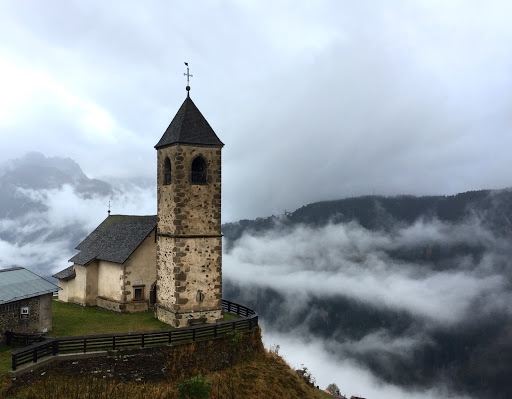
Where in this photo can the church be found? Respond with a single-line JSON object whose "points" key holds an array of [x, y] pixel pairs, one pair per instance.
{"points": [[171, 262]]}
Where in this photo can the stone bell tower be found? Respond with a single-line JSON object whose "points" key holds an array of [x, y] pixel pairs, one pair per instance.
{"points": [[189, 248]]}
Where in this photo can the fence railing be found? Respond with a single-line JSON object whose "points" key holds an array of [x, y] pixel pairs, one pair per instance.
{"points": [[103, 342]]}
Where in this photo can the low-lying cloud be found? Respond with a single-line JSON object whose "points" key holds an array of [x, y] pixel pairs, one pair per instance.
{"points": [[352, 377], [364, 308], [43, 241], [303, 269], [348, 260]]}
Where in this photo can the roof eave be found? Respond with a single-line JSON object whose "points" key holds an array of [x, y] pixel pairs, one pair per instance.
{"points": [[158, 147], [19, 298]]}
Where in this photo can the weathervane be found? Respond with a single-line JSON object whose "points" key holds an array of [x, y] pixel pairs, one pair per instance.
{"points": [[109, 208], [188, 75]]}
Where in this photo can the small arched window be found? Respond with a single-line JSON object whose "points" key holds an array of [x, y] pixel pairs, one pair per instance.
{"points": [[167, 171], [199, 171]]}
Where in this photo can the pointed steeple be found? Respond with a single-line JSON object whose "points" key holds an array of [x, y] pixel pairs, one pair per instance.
{"points": [[189, 127]]}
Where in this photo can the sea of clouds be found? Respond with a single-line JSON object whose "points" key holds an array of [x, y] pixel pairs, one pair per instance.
{"points": [[307, 265], [300, 263]]}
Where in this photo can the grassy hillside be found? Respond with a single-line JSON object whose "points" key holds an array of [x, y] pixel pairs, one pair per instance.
{"points": [[72, 320], [266, 376], [234, 367]]}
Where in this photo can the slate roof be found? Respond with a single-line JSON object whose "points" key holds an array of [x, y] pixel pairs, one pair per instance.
{"points": [[115, 239], [67, 274], [17, 283], [189, 127]]}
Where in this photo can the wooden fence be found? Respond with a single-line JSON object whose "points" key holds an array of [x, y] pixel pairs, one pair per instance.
{"points": [[103, 342]]}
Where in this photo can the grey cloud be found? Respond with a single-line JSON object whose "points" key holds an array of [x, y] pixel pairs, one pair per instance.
{"points": [[43, 241], [353, 378], [313, 101], [347, 260]]}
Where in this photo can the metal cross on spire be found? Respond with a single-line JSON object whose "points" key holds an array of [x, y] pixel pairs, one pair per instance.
{"points": [[188, 75]]}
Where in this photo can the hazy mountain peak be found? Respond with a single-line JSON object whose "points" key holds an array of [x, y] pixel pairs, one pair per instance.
{"points": [[35, 171], [66, 168]]}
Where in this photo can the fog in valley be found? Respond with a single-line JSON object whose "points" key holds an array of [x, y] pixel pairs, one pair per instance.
{"points": [[42, 221], [292, 273], [400, 312]]}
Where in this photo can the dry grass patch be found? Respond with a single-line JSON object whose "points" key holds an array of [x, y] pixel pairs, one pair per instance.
{"points": [[266, 376], [245, 370]]}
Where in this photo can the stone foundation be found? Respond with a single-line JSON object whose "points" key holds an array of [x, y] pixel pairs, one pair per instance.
{"points": [[136, 306], [122, 307], [187, 318]]}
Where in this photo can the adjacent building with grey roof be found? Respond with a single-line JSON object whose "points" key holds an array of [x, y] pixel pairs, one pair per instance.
{"points": [[115, 239], [115, 267], [25, 302]]}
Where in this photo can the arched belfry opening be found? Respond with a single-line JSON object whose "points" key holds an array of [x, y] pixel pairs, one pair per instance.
{"points": [[199, 170], [167, 171]]}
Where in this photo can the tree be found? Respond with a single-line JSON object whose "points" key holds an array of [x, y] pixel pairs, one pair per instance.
{"points": [[333, 388]]}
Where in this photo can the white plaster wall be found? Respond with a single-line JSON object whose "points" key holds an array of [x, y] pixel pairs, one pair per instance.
{"points": [[91, 284], [141, 266], [63, 293], [110, 280], [76, 287]]}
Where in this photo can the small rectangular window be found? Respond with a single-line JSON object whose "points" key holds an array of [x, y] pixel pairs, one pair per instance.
{"points": [[138, 293]]}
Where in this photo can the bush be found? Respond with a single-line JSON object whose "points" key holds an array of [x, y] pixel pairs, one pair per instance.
{"points": [[197, 387]]}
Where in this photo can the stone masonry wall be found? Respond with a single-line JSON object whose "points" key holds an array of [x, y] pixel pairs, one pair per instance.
{"points": [[186, 208], [40, 316], [189, 249]]}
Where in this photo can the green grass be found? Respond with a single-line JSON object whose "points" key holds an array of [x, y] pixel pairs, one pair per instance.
{"points": [[5, 358], [230, 316], [69, 320]]}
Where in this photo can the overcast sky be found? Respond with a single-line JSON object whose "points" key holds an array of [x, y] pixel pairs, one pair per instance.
{"points": [[314, 99]]}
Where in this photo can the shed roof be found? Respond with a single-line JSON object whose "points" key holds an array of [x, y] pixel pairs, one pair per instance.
{"points": [[189, 127], [115, 239], [17, 283], [67, 274]]}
